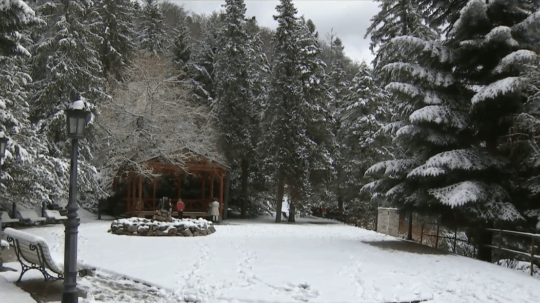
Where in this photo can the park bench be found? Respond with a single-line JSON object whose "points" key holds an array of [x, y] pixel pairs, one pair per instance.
{"points": [[33, 253], [6, 219], [53, 216], [29, 217]]}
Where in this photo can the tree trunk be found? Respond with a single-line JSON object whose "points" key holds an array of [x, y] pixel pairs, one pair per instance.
{"points": [[243, 193], [279, 198], [409, 232], [226, 195], [486, 238], [292, 210], [340, 203]]}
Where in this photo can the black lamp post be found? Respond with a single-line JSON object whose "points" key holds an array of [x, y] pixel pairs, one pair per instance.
{"points": [[3, 144], [76, 122]]}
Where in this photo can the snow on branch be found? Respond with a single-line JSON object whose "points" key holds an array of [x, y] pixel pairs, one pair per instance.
{"points": [[469, 192], [462, 159], [439, 115], [392, 168], [501, 34], [502, 87], [515, 61], [505, 211], [406, 71], [413, 47]]}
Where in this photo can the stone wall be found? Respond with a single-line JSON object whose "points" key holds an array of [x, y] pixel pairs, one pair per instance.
{"points": [[388, 221], [175, 228]]}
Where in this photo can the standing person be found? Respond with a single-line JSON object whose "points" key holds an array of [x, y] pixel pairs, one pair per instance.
{"points": [[214, 210]]}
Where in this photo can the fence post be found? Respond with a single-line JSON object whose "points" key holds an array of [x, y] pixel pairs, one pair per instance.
{"points": [[422, 233], [500, 244], [455, 239], [532, 254], [437, 238]]}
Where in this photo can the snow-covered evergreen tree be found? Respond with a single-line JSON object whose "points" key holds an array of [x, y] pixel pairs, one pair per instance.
{"points": [[398, 18], [235, 107], [296, 142], [15, 16], [181, 47], [201, 67], [361, 143], [494, 41], [152, 32], [65, 68], [116, 28], [432, 129]]}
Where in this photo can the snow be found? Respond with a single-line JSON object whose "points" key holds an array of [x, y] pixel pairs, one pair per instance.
{"points": [[439, 115], [498, 88], [514, 60], [248, 261], [501, 34], [472, 191], [77, 105], [4, 244], [23, 235]]}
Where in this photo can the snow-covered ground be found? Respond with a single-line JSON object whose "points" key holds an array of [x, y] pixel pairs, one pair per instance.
{"points": [[258, 261]]}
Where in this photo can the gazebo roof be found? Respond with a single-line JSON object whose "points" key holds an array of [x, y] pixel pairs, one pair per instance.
{"points": [[196, 163]]}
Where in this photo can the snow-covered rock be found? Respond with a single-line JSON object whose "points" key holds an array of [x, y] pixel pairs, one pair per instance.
{"points": [[174, 227]]}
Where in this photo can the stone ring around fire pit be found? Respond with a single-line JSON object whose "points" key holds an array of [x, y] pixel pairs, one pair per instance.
{"points": [[175, 228]]}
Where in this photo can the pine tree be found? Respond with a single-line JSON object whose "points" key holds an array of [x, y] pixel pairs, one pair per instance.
{"points": [[398, 18], [116, 31], [66, 68], [494, 41], [235, 71], [201, 67], [181, 47], [360, 116], [15, 16], [296, 143], [152, 32]]}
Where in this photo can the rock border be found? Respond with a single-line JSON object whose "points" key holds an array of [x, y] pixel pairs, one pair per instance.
{"points": [[176, 228]]}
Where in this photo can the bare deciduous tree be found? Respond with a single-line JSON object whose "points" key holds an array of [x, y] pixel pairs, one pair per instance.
{"points": [[150, 115]]}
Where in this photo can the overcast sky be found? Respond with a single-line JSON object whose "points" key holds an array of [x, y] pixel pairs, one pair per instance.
{"points": [[349, 19]]}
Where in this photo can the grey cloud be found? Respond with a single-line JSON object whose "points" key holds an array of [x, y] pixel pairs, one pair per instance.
{"points": [[349, 19]]}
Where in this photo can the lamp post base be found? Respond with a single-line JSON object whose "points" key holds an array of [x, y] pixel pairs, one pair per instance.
{"points": [[70, 297]]}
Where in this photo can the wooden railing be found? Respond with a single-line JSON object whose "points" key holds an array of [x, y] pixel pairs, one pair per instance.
{"points": [[530, 254], [196, 205]]}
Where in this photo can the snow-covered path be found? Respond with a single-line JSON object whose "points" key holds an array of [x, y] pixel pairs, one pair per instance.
{"points": [[259, 262]]}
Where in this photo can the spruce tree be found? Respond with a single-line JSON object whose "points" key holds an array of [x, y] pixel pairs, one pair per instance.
{"points": [[116, 29], [16, 19], [398, 18], [152, 32], [297, 140], [66, 68], [201, 67], [235, 94], [494, 41]]}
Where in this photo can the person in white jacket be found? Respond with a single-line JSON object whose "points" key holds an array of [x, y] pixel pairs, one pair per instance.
{"points": [[214, 210]]}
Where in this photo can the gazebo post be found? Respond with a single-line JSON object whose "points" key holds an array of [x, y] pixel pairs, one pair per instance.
{"points": [[154, 184], [140, 192], [211, 187], [202, 187], [221, 197], [128, 190]]}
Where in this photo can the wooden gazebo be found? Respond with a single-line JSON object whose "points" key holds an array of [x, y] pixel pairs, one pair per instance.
{"points": [[142, 192]]}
